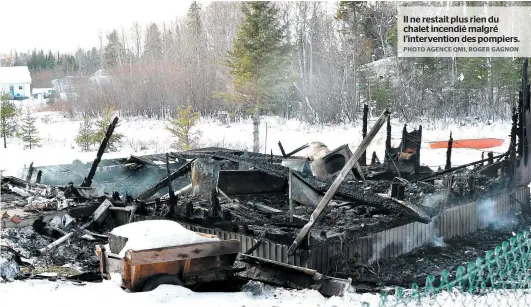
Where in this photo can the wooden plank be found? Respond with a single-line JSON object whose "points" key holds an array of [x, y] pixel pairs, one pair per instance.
{"points": [[191, 251], [187, 266], [335, 185]]}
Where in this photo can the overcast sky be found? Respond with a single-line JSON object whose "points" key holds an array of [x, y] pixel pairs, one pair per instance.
{"points": [[65, 25]]}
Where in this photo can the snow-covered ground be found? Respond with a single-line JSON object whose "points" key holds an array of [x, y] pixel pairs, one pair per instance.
{"points": [[62, 293], [68, 294], [145, 136]]}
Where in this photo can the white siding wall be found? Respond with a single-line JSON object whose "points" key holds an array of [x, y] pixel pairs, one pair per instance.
{"points": [[25, 91]]}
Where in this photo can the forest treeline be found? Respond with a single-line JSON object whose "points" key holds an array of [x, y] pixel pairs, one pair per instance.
{"points": [[310, 60]]}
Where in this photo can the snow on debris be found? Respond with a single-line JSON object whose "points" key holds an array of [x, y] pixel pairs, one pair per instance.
{"points": [[156, 234]]}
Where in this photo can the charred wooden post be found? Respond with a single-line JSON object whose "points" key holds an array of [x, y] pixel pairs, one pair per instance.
{"points": [[449, 154], [374, 158], [271, 156], [171, 194], [88, 180], [363, 158], [404, 139], [30, 172], [39, 176], [387, 141], [417, 161], [482, 157], [215, 209], [491, 158], [281, 149], [514, 129], [290, 195], [335, 185]]}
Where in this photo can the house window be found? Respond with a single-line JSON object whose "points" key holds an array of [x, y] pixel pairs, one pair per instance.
{"points": [[20, 87]]}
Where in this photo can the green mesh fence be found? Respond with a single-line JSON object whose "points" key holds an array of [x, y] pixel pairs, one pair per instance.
{"points": [[501, 278]]}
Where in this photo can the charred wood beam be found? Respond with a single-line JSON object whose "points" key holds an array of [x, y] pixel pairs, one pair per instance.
{"points": [[374, 158], [165, 181], [417, 161], [296, 150], [215, 209], [88, 180], [281, 149], [39, 177], [387, 141], [491, 158], [254, 247], [457, 168], [449, 153], [30, 172], [404, 139], [335, 185], [173, 198]]}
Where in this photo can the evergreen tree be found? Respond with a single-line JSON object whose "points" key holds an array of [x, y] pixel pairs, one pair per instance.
{"points": [[8, 115], [181, 127], [258, 61], [113, 50], [28, 132], [85, 135], [102, 125], [153, 46]]}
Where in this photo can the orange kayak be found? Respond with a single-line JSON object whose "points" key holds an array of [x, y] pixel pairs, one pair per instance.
{"points": [[469, 143]]}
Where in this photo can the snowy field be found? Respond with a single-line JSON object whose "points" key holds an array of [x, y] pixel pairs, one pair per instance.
{"points": [[146, 136]]}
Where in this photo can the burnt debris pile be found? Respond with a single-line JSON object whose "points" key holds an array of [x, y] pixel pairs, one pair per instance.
{"points": [[303, 199]]}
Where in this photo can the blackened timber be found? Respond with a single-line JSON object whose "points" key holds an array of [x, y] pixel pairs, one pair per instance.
{"points": [[88, 180], [164, 181], [297, 150], [253, 248], [340, 177], [30, 172], [39, 177], [216, 209], [449, 153], [173, 198], [417, 161], [281, 149], [457, 168], [387, 140]]}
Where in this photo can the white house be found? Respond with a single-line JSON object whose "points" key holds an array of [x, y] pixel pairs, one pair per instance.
{"points": [[15, 81]]}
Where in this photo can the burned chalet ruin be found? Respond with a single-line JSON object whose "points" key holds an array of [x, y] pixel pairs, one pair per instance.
{"points": [[327, 209]]}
